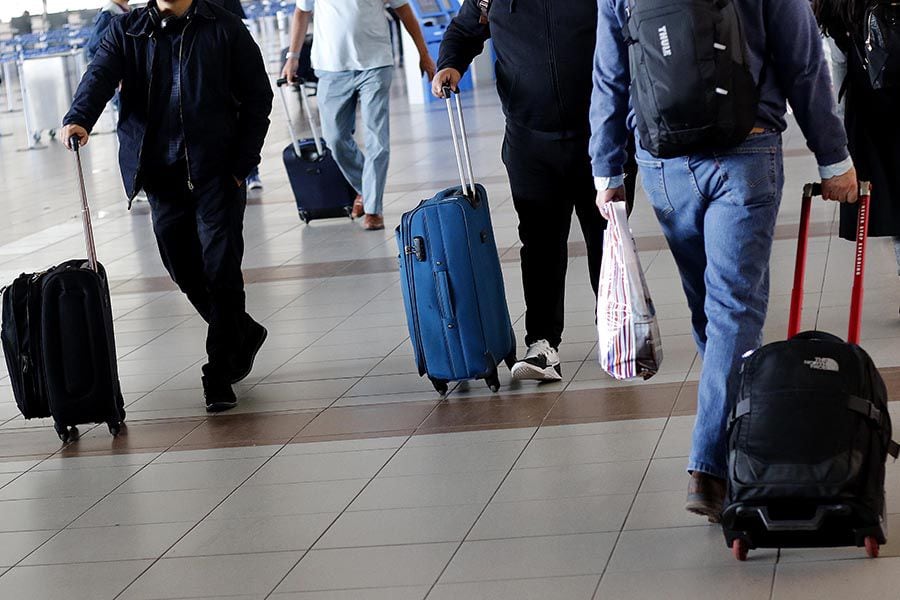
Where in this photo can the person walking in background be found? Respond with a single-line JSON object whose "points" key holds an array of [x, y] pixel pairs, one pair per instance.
{"points": [[872, 120], [191, 128], [354, 61], [544, 82], [101, 24], [718, 208]]}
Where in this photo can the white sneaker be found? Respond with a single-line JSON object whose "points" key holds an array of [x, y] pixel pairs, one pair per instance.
{"points": [[541, 363]]}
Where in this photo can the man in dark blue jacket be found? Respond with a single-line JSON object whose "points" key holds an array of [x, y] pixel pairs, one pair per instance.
{"points": [[195, 103], [718, 208], [544, 50]]}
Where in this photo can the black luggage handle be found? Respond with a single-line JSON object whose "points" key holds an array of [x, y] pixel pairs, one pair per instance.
{"points": [[814, 524], [75, 144], [304, 102], [461, 141]]}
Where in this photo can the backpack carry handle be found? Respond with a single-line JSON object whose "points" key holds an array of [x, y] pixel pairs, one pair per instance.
{"points": [[810, 191], [461, 146], [304, 101], [75, 144]]}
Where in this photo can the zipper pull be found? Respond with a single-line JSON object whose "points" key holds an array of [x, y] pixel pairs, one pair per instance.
{"points": [[190, 184]]}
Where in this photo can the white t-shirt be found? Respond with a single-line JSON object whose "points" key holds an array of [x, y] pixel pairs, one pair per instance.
{"points": [[350, 35]]}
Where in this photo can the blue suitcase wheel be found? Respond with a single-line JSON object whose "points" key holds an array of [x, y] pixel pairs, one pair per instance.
{"points": [[440, 386], [493, 381]]}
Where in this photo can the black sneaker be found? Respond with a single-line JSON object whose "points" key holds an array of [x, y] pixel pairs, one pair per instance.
{"points": [[541, 363], [219, 395], [243, 363]]}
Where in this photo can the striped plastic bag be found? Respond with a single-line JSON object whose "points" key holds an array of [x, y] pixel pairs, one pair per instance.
{"points": [[630, 345]]}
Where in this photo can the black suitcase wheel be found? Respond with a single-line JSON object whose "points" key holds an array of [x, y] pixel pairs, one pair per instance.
{"points": [[348, 210], [440, 386], [66, 434], [62, 431], [304, 216], [872, 547], [510, 360], [114, 428], [740, 549], [493, 381]]}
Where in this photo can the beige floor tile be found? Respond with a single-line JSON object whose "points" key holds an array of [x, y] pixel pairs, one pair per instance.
{"points": [[104, 544], [861, 578], [558, 588], [559, 516], [76, 582], [253, 535], [389, 566], [743, 582]]}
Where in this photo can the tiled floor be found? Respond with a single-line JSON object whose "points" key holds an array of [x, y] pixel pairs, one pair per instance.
{"points": [[341, 475]]}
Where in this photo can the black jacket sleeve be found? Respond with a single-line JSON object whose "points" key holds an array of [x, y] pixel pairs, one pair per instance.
{"points": [[100, 80], [464, 39], [251, 88]]}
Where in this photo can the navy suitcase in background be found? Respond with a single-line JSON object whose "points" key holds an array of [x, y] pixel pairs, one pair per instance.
{"points": [[320, 188], [452, 283], [59, 341]]}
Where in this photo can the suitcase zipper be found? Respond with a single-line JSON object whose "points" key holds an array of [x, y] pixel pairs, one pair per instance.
{"points": [[411, 283]]}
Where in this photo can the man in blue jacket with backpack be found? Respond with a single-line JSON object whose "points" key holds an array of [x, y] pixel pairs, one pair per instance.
{"points": [[710, 156]]}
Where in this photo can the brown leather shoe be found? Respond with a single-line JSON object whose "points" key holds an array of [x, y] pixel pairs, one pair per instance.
{"points": [[706, 496], [358, 209], [373, 222]]}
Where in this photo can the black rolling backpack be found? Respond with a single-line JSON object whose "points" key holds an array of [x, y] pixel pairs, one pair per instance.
{"points": [[58, 339], [810, 434]]}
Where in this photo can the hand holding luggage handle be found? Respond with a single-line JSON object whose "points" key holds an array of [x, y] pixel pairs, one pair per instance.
{"points": [[304, 101], [810, 191], [75, 144], [468, 189]]}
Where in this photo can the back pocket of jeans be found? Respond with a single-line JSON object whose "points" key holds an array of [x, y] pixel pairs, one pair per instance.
{"points": [[653, 180]]}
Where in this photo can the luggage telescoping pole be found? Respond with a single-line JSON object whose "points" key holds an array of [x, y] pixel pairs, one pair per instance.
{"points": [[75, 143], [304, 101], [461, 140], [810, 191]]}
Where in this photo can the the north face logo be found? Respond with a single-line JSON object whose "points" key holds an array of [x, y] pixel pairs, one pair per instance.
{"points": [[664, 42], [823, 364]]}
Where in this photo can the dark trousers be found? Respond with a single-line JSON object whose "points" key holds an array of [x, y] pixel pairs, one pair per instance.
{"points": [[550, 177], [200, 238]]}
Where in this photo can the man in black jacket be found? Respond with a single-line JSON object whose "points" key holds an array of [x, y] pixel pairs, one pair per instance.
{"points": [[195, 102], [544, 63]]}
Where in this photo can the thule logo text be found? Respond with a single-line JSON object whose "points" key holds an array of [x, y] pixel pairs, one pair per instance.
{"points": [[664, 42]]}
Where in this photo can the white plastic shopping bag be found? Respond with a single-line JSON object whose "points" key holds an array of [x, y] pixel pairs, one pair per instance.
{"points": [[630, 345]]}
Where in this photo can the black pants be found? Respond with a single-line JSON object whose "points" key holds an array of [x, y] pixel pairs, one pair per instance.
{"points": [[200, 238], [550, 177]]}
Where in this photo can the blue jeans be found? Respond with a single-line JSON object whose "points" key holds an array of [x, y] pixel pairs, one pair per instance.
{"points": [[718, 213], [339, 93]]}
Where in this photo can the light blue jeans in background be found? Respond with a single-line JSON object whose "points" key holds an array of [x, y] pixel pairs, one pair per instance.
{"points": [[339, 93], [718, 214]]}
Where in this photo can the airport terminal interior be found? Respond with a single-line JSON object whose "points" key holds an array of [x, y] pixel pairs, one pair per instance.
{"points": [[342, 474]]}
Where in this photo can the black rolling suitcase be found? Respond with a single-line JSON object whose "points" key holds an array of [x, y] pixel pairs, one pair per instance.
{"points": [[319, 186], [59, 343], [810, 434]]}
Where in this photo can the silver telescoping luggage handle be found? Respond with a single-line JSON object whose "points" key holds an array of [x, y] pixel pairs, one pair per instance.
{"points": [[304, 102], [75, 144], [461, 139]]}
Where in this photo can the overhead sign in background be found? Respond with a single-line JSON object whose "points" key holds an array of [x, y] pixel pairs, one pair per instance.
{"points": [[14, 8]]}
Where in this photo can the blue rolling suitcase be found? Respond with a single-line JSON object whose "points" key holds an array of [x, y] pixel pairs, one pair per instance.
{"points": [[452, 283], [320, 188]]}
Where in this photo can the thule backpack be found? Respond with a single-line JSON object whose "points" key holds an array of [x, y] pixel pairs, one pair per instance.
{"points": [[881, 46], [691, 86]]}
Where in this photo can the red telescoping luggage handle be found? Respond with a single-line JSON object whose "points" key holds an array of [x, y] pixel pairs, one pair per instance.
{"points": [[75, 144], [810, 191]]}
